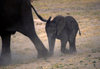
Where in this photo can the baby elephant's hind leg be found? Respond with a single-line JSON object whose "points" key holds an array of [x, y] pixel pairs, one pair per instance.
{"points": [[72, 41]]}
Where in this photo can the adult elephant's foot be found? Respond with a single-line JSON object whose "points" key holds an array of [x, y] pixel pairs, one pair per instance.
{"points": [[43, 54], [5, 59]]}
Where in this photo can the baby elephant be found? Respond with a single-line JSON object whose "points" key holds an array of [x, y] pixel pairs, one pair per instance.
{"points": [[65, 29]]}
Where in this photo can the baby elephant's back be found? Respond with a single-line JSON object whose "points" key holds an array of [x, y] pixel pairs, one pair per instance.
{"points": [[71, 23], [59, 20], [60, 24]]}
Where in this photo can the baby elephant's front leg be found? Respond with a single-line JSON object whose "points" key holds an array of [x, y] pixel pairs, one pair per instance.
{"points": [[63, 47]]}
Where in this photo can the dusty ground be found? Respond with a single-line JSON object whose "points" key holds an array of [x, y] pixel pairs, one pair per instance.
{"points": [[87, 13]]}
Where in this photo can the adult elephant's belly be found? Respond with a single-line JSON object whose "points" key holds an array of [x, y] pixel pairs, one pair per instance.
{"points": [[10, 16], [7, 25]]}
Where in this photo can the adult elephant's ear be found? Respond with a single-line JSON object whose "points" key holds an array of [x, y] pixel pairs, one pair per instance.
{"points": [[60, 25]]}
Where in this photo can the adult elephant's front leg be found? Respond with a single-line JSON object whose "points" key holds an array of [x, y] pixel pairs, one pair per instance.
{"points": [[6, 52]]}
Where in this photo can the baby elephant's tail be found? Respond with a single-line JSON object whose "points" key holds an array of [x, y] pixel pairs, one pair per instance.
{"points": [[79, 31]]}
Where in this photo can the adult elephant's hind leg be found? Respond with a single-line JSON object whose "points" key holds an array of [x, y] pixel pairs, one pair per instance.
{"points": [[27, 28], [6, 52], [42, 51], [30, 32]]}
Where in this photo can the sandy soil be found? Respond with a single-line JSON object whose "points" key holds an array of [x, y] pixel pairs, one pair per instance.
{"points": [[88, 44]]}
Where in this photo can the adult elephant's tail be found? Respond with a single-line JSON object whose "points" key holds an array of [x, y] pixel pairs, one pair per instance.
{"points": [[40, 17]]}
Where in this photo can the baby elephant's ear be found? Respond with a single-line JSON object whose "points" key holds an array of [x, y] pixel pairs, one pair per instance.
{"points": [[48, 21], [60, 26]]}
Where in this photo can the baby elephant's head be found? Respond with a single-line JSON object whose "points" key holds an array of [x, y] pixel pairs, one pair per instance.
{"points": [[50, 28]]}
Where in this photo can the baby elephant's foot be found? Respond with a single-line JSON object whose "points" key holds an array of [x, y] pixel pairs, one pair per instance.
{"points": [[51, 53], [65, 51], [72, 51]]}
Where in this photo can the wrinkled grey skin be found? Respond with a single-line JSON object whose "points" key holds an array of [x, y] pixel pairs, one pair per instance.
{"points": [[16, 15], [64, 29]]}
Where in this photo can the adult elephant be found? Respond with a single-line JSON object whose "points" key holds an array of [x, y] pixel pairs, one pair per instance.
{"points": [[16, 15]]}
